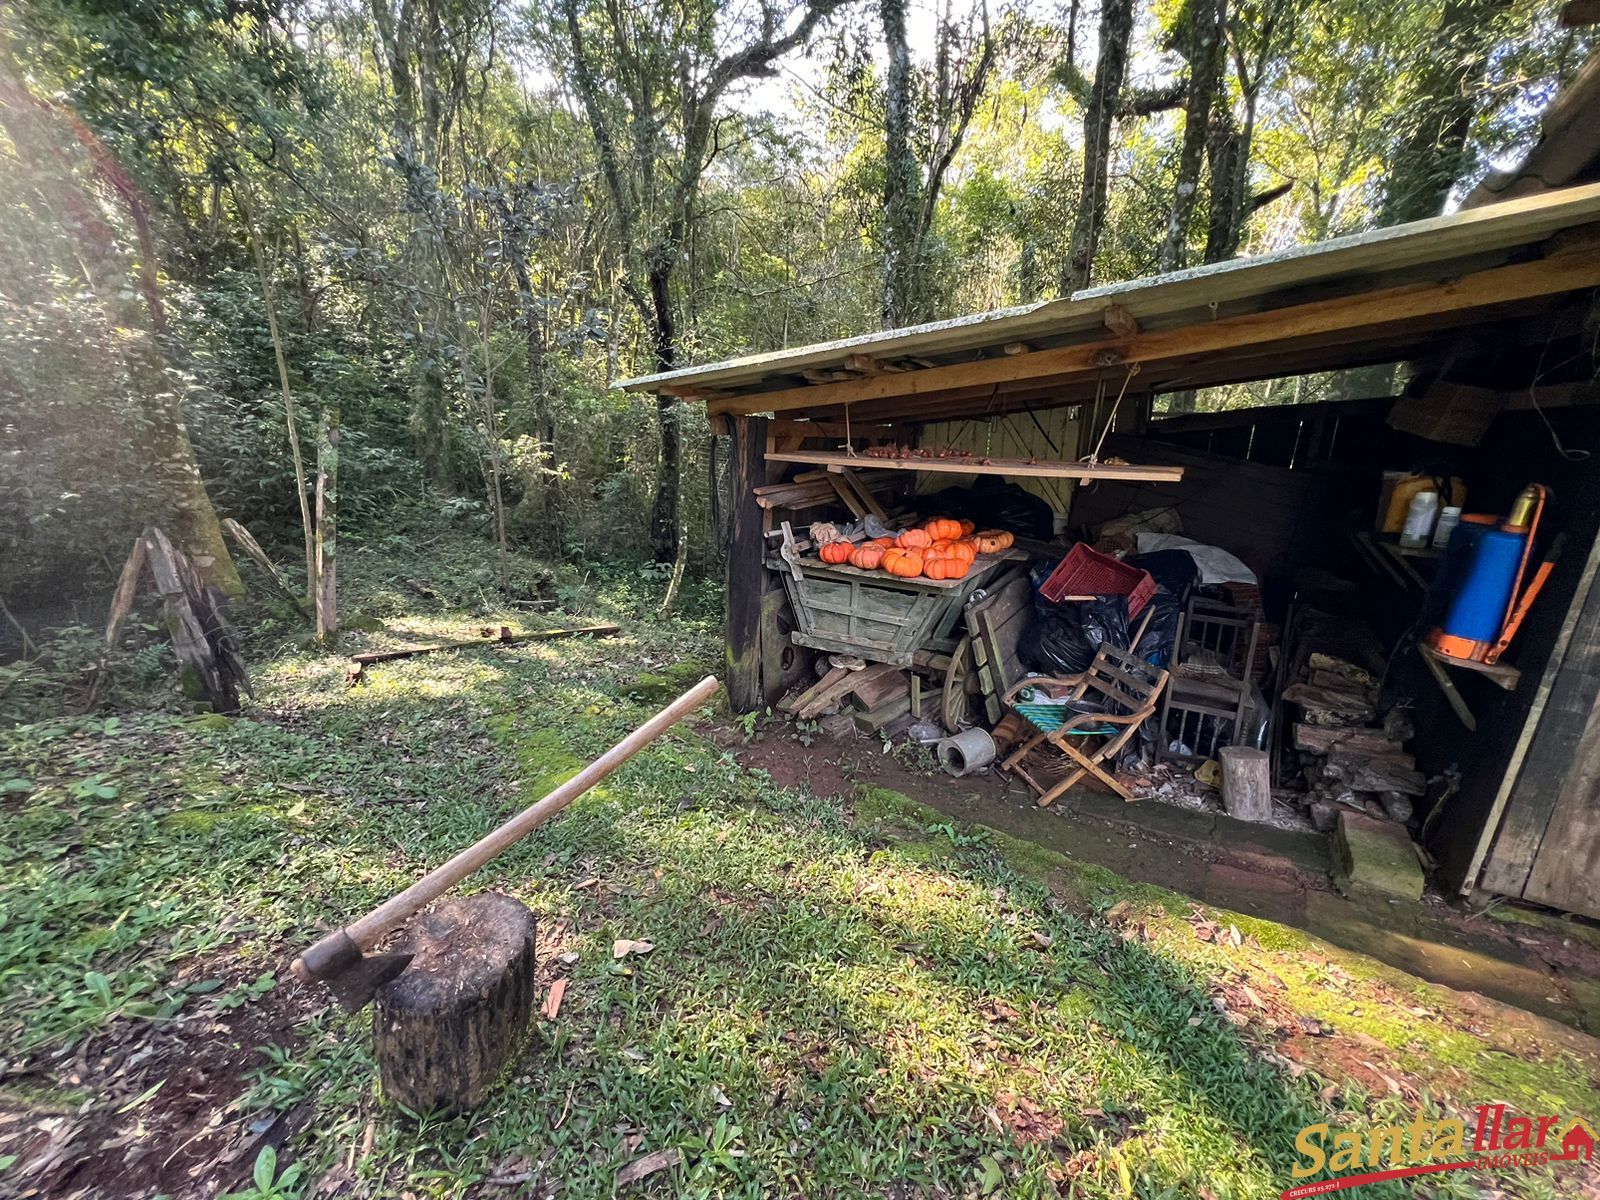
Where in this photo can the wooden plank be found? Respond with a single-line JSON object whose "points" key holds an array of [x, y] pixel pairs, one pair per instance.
{"points": [[868, 501], [1552, 757], [998, 466], [1500, 674], [745, 573], [1530, 724], [804, 699], [1322, 319], [841, 489], [1566, 870]]}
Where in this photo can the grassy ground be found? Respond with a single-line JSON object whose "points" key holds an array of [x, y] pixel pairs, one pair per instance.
{"points": [[842, 1000]]}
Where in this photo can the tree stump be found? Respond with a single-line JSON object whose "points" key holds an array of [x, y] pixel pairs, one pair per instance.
{"points": [[447, 1027], [1246, 782]]}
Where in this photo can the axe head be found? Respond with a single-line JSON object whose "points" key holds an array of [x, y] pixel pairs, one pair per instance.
{"points": [[353, 977]]}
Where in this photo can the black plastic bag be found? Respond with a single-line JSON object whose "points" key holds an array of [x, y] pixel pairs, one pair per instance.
{"points": [[992, 503], [1064, 637], [1174, 570]]}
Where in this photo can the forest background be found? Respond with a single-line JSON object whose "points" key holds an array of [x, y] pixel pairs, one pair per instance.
{"points": [[455, 223]]}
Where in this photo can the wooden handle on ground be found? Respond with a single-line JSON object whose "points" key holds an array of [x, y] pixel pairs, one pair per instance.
{"points": [[394, 911]]}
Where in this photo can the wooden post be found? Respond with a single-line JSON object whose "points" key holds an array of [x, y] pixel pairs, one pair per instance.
{"points": [[1246, 782], [746, 576], [445, 1030], [327, 526]]}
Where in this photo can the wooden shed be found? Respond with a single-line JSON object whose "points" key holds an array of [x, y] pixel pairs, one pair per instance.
{"points": [[1487, 317]]}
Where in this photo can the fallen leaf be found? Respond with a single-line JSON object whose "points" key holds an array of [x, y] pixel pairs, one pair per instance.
{"points": [[656, 1160], [585, 884], [623, 947], [552, 1003], [1041, 940]]}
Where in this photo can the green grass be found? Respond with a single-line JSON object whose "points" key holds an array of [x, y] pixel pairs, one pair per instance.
{"points": [[843, 1000]]}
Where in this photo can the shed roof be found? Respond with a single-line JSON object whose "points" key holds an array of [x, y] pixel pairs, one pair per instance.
{"points": [[1379, 296]]}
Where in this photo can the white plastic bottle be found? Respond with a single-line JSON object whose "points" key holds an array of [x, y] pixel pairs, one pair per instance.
{"points": [[1449, 518], [1420, 516]]}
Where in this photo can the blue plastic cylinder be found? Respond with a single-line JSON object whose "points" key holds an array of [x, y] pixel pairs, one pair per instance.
{"points": [[1479, 608]]}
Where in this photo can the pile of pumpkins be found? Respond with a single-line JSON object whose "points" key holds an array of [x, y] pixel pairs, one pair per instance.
{"points": [[941, 549]]}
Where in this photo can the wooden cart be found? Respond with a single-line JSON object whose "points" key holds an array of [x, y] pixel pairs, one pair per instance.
{"points": [[881, 617]]}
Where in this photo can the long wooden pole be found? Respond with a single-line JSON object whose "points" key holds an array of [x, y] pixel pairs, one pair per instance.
{"points": [[327, 586], [394, 911], [290, 419]]}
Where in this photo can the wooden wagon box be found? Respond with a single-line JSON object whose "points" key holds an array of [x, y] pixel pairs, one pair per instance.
{"points": [[879, 616]]}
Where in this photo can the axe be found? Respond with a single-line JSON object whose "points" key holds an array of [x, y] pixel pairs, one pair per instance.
{"points": [[341, 961]]}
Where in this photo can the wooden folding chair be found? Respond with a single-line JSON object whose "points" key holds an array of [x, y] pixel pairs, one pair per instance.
{"points": [[1123, 687]]}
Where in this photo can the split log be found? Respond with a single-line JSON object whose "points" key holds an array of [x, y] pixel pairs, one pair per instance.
{"points": [[206, 643], [447, 1028], [1376, 773], [1320, 739], [1246, 782], [243, 539], [1330, 705], [127, 588]]}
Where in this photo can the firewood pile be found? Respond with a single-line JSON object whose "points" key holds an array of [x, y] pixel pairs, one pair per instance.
{"points": [[1343, 748]]}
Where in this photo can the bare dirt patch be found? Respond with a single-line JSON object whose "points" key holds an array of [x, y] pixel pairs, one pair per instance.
{"points": [[145, 1108]]}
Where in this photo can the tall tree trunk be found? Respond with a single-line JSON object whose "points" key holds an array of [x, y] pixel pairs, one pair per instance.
{"points": [[1203, 39], [1116, 31], [414, 137], [327, 591], [664, 345], [901, 174], [1433, 152], [48, 141]]}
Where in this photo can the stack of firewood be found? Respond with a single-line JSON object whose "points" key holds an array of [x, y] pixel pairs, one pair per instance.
{"points": [[1349, 754]]}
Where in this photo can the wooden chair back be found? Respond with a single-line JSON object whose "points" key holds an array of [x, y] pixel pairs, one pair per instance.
{"points": [[1126, 683], [1218, 633]]}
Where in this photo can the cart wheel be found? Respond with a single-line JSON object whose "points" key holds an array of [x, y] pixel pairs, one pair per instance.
{"points": [[962, 688], [794, 661]]}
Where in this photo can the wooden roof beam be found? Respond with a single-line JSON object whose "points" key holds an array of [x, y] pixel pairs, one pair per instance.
{"points": [[1384, 309]]}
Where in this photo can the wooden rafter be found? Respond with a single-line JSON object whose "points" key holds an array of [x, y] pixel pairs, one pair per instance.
{"points": [[1387, 312], [837, 461]]}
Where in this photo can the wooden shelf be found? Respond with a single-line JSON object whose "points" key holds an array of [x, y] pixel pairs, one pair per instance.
{"points": [[1502, 674], [839, 461]]}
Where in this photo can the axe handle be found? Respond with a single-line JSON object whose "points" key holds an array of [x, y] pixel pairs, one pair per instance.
{"points": [[394, 911]]}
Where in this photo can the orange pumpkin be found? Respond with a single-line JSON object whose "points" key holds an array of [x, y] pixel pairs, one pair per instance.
{"points": [[967, 527], [913, 539], [992, 541], [942, 527], [964, 550], [867, 556], [835, 552], [945, 566], [905, 563]]}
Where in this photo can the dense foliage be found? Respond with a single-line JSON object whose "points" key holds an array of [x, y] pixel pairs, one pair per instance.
{"points": [[462, 220]]}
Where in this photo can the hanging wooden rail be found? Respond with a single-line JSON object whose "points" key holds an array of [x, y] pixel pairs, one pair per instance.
{"points": [[838, 461]]}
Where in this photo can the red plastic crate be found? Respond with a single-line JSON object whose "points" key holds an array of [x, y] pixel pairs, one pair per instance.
{"points": [[1085, 572]]}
